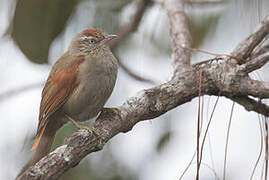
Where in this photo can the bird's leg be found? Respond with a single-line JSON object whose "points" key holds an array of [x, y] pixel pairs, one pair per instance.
{"points": [[111, 110], [81, 126]]}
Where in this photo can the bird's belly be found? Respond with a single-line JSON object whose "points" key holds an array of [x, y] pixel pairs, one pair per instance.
{"points": [[89, 98]]}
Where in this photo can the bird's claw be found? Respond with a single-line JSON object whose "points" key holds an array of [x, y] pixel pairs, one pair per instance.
{"points": [[91, 130]]}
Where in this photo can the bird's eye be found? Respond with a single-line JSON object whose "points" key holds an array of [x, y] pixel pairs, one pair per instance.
{"points": [[92, 41]]}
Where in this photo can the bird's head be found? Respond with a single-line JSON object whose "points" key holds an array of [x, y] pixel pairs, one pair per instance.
{"points": [[90, 41]]}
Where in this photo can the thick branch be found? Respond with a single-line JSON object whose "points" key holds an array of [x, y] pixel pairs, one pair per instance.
{"points": [[147, 104], [180, 33]]}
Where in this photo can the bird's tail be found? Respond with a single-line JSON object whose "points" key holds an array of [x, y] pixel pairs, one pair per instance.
{"points": [[42, 147]]}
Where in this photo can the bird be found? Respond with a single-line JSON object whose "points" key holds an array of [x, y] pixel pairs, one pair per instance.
{"points": [[78, 86]]}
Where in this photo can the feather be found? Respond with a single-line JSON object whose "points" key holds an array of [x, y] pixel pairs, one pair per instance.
{"points": [[59, 86]]}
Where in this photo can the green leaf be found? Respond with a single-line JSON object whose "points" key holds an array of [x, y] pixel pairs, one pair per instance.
{"points": [[37, 23]]}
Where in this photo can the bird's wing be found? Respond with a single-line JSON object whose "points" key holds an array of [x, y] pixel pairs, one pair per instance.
{"points": [[59, 86]]}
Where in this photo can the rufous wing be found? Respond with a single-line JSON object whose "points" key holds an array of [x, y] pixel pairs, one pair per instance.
{"points": [[60, 84]]}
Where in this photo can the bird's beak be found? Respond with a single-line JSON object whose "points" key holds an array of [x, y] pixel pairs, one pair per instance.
{"points": [[108, 38]]}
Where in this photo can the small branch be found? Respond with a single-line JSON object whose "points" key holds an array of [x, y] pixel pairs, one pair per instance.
{"points": [[266, 139], [133, 24], [198, 125], [252, 105], [123, 34], [135, 76], [245, 48], [227, 142], [254, 88], [256, 63], [259, 51], [180, 34], [261, 148], [204, 2]]}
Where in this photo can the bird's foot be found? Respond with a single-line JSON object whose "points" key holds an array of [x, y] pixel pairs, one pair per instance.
{"points": [[111, 111], [91, 130]]}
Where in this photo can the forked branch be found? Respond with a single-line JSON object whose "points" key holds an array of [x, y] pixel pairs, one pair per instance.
{"points": [[224, 79]]}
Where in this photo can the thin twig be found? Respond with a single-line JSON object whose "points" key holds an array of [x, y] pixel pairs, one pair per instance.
{"points": [[188, 166], [212, 169], [209, 139], [245, 48], [261, 148], [207, 128], [227, 141], [259, 51], [123, 34], [198, 124], [266, 148], [204, 2], [255, 63], [132, 74], [132, 25], [209, 167], [214, 54]]}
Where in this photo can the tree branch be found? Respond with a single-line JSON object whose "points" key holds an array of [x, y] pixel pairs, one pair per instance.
{"points": [[204, 2], [256, 63], [223, 78], [254, 88], [180, 34], [245, 48], [260, 50], [252, 105], [133, 24], [123, 34]]}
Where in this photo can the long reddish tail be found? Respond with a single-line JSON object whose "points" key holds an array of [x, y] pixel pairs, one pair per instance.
{"points": [[44, 145]]}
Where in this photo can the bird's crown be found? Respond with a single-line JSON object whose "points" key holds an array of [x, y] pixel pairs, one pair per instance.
{"points": [[94, 32]]}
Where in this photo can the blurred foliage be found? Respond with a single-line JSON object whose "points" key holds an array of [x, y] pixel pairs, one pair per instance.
{"points": [[202, 27], [37, 22], [163, 141], [110, 23], [99, 171]]}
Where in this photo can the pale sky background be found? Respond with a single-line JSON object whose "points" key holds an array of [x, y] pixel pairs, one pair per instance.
{"points": [[136, 149]]}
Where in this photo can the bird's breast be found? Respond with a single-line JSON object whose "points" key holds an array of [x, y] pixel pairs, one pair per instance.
{"points": [[95, 84]]}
